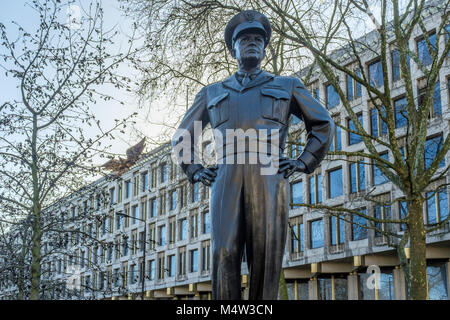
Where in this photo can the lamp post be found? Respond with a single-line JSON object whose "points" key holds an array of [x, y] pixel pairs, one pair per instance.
{"points": [[144, 242]]}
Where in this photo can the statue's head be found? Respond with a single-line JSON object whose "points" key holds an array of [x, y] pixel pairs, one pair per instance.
{"points": [[247, 35]]}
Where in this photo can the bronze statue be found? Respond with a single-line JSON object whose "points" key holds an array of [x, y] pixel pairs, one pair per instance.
{"points": [[249, 208]]}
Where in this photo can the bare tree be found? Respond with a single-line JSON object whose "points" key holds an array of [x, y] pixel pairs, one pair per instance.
{"points": [[415, 165], [61, 70]]}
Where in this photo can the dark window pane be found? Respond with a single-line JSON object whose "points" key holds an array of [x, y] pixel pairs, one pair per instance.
{"points": [[423, 52], [359, 223], [376, 74], [432, 147], [332, 97], [316, 234], [335, 183], [401, 113]]}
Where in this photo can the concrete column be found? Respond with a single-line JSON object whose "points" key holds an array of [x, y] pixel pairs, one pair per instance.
{"points": [[313, 289], [399, 284], [352, 282]]}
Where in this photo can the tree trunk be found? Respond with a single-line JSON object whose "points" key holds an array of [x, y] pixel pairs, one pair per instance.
{"points": [[418, 262], [36, 221]]}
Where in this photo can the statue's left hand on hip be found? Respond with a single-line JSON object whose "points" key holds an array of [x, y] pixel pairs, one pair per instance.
{"points": [[289, 166]]}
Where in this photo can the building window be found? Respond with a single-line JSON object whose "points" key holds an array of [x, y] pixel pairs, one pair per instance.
{"points": [[163, 172], [161, 266], [357, 176], [145, 181], [297, 235], [437, 206], [162, 207], [151, 270], [119, 192], [335, 188], [195, 192], [112, 197], [332, 288], [143, 209], [432, 147], [153, 208], [194, 224], [206, 222], [437, 281], [136, 186], [182, 261], [296, 194], [162, 235], [403, 211], [385, 290], [205, 255], [135, 213], [382, 212], [315, 188], [172, 230], [127, 189], [337, 231], [422, 49], [118, 222], [173, 199], [336, 142], [183, 229], [401, 113], [359, 223], [354, 138], [316, 233], [133, 274], [134, 242], [333, 99], [116, 277], [171, 263], [378, 176], [354, 90], [183, 196], [396, 70], [193, 260], [124, 247], [296, 149], [152, 236], [378, 126], [141, 241], [154, 178], [376, 74], [436, 107]]}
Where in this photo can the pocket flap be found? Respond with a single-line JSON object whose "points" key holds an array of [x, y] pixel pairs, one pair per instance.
{"points": [[275, 93], [217, 99]]}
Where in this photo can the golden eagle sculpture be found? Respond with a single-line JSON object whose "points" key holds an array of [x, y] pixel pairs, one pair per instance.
{"points": [[122, 165]]}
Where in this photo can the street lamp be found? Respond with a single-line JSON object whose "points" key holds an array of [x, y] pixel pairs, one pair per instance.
{"points": [[144, 242]]}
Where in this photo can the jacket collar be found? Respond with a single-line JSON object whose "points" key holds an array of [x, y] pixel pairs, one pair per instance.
{"points": [[232, 83]]}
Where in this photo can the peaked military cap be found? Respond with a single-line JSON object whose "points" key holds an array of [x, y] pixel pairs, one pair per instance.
{"points": [[245, 21]]}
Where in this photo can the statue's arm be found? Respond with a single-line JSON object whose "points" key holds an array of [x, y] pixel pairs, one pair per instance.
{"points": [[319, 125], [197, 112]]}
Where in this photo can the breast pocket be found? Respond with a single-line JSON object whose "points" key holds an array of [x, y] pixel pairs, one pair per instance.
{"points": [[274, 104], [218, 109]]}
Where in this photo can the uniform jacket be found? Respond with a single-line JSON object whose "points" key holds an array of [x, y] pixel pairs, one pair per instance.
{"points": [[266, 102]]}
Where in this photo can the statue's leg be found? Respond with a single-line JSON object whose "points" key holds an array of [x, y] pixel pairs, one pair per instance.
{"points": [[228, 232], [266, 216]]}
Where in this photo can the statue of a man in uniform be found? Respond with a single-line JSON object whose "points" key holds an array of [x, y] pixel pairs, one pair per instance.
{"points": [[249, 208]]}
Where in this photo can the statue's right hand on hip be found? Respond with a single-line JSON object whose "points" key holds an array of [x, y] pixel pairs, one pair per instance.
{"points": [[206, 175]]}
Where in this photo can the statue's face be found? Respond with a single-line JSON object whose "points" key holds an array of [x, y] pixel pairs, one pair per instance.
{"points": [[249, 49]]}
